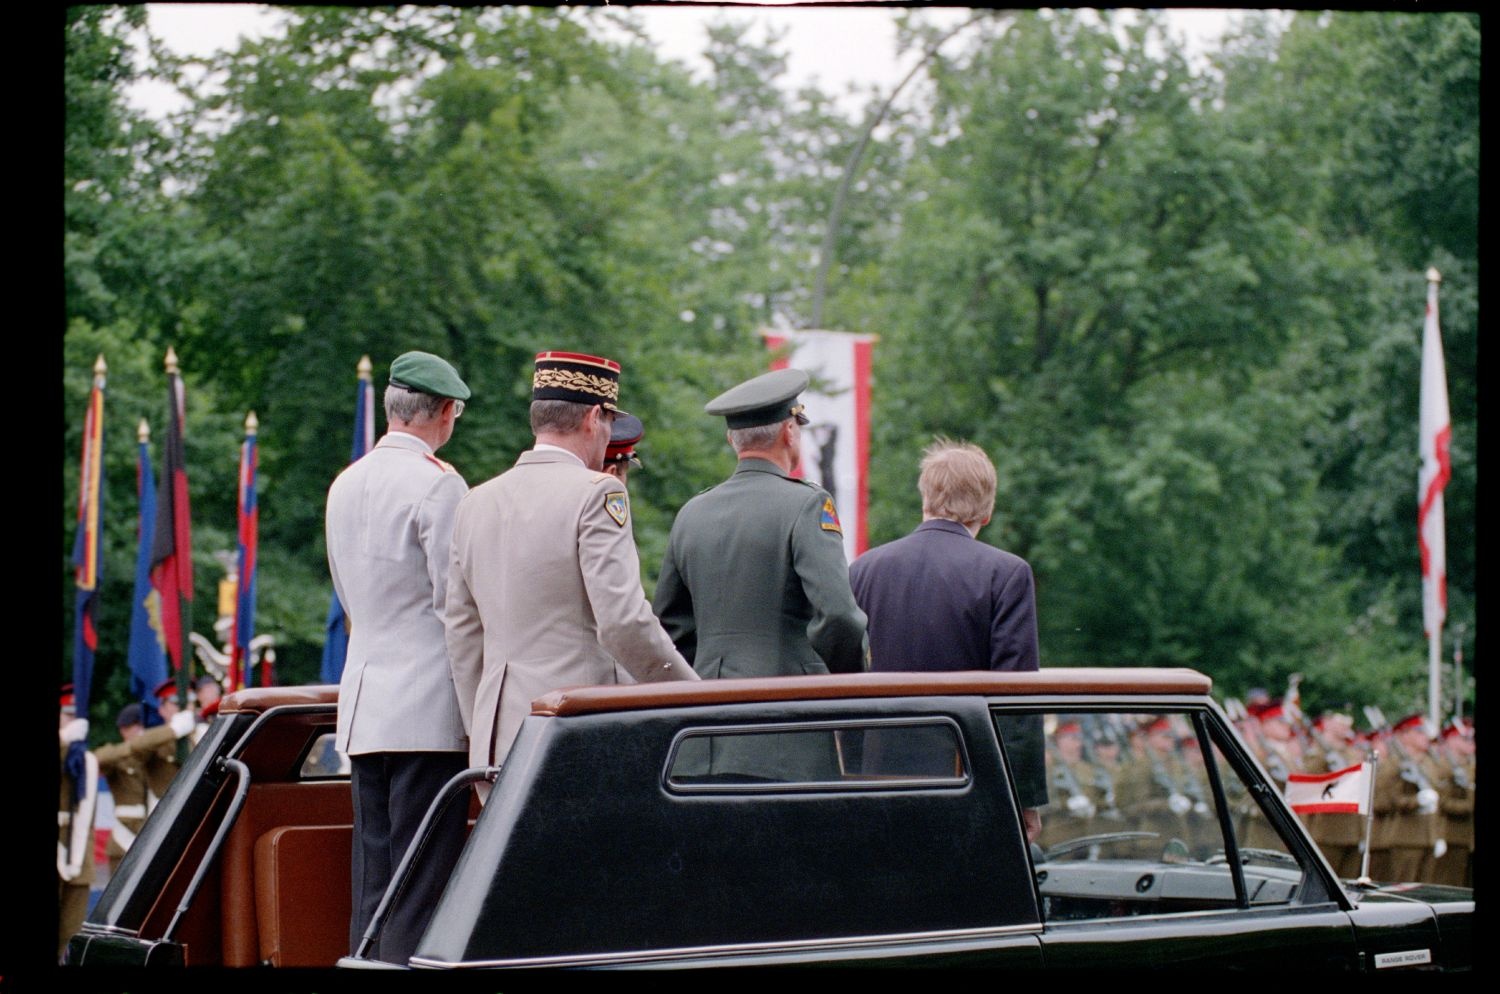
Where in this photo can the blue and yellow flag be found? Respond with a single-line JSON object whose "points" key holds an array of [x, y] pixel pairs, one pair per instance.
{"points": [[147, 658], [88, 558], [249, 544]]}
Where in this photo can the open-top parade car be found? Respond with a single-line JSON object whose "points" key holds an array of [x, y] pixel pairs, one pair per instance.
{"points": [[860, 819]]}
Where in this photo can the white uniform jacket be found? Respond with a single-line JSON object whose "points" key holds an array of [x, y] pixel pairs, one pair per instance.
{"points": [[389, 525]]}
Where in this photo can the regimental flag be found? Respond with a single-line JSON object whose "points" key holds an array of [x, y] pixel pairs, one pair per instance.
{"points": [[336, 627], [1345, 791], [1436, 434], [249, 532], [147, 657], [88, 557], [836, 444], [172, 540]]}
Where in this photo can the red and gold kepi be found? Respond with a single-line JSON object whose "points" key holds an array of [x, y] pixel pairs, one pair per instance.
{"points": [[583, 379]]}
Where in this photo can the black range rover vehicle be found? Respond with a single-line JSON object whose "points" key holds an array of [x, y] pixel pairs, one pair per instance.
{"points": [[856, 819]]}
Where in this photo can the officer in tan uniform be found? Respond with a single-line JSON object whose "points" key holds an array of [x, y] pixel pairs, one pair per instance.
{"points": [[1456, 804], [143, 762], [544, 589], [1407, 825], [1076, 798], [79, 771]]}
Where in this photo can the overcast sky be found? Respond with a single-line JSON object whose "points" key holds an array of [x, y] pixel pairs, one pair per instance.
{"points": [[835, 47]]}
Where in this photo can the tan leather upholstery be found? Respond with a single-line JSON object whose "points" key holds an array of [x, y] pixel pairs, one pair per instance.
{"points": [[302, 894], [271, 806]]}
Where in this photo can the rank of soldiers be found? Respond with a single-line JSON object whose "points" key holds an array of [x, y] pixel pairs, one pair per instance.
{"points": [[1113, 774]]}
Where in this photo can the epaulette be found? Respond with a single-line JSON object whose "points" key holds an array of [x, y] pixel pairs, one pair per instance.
{"points": [[446, 467], [601, 476]]}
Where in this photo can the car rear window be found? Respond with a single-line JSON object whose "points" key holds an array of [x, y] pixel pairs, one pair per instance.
{"points": [[874, 755]]}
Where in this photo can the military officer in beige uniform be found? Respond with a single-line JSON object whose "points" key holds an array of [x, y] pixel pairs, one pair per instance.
{"points": [[1456, 802], [389, 522], [544, 589], [138, 769]]}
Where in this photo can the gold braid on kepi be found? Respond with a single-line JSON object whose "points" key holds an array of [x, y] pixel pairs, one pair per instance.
{"points": [[573, 376]]}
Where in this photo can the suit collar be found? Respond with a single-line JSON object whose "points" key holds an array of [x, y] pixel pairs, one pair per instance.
{"points": [[401, 440], [760, 466], [944, 525]]}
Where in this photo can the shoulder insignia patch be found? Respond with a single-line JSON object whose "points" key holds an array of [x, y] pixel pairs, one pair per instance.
{"points": [[446, 467], [828, 518], [617, 507]]}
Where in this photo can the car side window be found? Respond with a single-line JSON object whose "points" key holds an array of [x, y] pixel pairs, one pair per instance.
{"points": [[1132, 823], [323, 761]]}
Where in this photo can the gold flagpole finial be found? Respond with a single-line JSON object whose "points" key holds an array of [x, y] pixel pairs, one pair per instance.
{"points": [[100, 367], [1433, 276], [364, 368], [171, 362], [251, 423], [143, 432]]}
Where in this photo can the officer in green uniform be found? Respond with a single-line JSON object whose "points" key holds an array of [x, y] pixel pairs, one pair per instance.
{"points": [[754, 581]]}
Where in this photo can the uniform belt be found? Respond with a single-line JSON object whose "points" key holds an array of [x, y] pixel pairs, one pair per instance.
{"points": [[123, 836], [130, 811]]}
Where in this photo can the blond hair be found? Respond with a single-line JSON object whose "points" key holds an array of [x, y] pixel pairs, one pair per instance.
{"points": [[957, 482]]}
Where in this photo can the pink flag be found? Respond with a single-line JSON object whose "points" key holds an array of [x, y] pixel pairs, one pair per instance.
{"points": [[1345, 791], [1436, 432]]}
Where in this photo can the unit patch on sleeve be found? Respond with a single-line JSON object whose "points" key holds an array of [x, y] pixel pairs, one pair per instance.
{"points": [[828, 518], [617, 507]]}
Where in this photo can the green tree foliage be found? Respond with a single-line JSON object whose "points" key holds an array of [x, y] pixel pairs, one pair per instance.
{"points": [[1180, 308]]}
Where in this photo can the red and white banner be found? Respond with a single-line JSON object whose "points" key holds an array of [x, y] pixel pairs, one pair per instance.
{"points": [[1346, 791], [1436, 433], [836, 445]]}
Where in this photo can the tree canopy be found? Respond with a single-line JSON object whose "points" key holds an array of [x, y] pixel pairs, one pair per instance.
{"points": [[1179, 303]]}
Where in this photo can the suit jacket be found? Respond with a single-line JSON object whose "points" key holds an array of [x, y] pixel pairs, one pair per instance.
{"points": [[754, 582], [389, 523], [544, 591], [938, 599]]}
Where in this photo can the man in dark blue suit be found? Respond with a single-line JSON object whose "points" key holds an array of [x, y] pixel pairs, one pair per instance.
{"points": [[939, 599]]}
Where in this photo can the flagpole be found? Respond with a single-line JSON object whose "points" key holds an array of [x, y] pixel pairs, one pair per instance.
{"points": [[1364, 862], [1435, 632]]}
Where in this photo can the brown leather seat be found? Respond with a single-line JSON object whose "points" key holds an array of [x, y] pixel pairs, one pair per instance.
{"points": [[302, 894]]}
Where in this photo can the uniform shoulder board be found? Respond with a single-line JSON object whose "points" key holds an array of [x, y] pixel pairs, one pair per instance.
{"points": [[446, 467], [601, 476]]}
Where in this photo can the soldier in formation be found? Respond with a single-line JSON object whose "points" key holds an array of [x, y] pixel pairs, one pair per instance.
{"points": [[1423, 800]]}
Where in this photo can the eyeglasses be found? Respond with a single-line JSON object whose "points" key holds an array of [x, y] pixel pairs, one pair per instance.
{"points": [[458, 408]]}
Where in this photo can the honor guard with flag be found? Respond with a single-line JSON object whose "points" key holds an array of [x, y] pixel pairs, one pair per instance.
{"points": [[78, 798], [389, 524]]}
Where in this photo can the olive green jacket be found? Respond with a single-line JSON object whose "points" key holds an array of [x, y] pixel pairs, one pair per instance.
{"points": [[755, 583]]}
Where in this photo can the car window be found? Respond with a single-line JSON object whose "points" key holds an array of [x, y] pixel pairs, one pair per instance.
{"points": [[849, 755], [1132, 823], [323, 761]]}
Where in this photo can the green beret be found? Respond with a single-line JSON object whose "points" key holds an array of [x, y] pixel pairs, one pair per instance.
{"points": [[426, 373], [765, 400]]}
